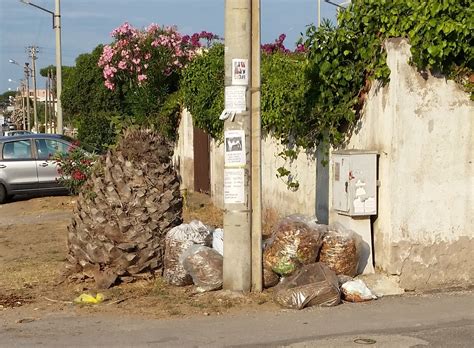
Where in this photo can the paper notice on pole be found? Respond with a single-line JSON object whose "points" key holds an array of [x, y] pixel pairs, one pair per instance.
{"points": [[240, 72], [234, 153], [235, 98], [234, 189]]}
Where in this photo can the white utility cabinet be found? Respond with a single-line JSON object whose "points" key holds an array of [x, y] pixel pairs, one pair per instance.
{"points": [[354, 182]]}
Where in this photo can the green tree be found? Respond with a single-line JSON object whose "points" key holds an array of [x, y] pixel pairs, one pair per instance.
{"points": [[5, 98], [84, 92]]}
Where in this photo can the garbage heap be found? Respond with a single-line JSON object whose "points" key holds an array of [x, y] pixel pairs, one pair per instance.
{"points": [[305, 263]]}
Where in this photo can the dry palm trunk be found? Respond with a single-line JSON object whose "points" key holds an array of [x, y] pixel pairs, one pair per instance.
{"points": [[125, 210]]}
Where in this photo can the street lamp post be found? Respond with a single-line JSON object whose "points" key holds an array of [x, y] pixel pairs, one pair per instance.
{"points": [[57, 27], [26, 70], [27, 77], [22, 93]]}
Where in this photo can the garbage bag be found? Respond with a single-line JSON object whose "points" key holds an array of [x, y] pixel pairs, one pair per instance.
{"points": [[178, 240], [356, 291], [341, 250], [218, 240], [204, 264], [295, 241], [270, 278], [312, 285]]}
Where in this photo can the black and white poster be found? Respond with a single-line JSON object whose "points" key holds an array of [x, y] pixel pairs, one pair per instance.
{"points": [[234, 143], [240, 72]]}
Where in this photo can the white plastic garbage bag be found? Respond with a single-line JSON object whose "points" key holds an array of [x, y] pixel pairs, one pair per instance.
{"points": [[357, 291], [218, 240]]}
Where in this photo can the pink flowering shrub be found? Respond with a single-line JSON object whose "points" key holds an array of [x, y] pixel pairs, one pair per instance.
{"points": [[279, 46], [155, 52]]}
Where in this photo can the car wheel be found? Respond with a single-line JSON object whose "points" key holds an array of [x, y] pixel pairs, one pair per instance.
{"points": [[3, 194]]}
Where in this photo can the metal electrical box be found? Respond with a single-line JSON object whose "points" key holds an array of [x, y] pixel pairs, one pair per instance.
{"points": [[354, 182]]}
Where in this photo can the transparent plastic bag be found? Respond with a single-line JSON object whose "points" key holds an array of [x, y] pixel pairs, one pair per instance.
{"points": [[295, 242], [341, 250], [312, 285], [204, 264], [270, 278], [177, 241]]}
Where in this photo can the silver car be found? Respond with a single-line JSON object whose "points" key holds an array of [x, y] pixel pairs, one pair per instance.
{"points": [[25, 164], [12, 133]]}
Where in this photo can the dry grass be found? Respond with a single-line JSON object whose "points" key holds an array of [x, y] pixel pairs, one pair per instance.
{"points": [[199, 206], [32, 257]]}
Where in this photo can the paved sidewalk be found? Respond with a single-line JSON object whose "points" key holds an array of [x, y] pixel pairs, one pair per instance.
{"points": [[435, 320]]}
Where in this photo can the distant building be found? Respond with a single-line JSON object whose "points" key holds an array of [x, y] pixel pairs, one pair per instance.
{"points": [[40, 95]]}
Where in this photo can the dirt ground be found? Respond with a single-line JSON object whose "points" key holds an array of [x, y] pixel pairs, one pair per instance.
{"points": [[33, 247]]}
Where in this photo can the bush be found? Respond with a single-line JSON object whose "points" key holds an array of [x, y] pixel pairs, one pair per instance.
{"points": [[97, 131], [74, 168]]}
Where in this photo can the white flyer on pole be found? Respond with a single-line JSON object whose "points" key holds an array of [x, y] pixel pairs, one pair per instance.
{"points": [[234, 189], [235, 98], [240, 72], [234, 153]]}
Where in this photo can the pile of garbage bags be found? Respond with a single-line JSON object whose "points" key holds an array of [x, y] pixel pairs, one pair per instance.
{"points": [[189, 258], [310, 264], [306, 263]]}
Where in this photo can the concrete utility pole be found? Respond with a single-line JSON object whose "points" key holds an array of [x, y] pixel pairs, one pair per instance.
{"points": [[257, 272], [59, 78], [46, 101], [59, 81], [237, 214], [319, 13], [27, 77], [23, 106], [33, 51]]}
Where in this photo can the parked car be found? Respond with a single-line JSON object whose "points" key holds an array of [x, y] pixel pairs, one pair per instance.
{"points": [[25, 164], [16, 132]]}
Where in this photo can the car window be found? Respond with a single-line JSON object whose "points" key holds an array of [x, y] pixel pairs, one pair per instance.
{"points": [[45, 148], [20, 149]]}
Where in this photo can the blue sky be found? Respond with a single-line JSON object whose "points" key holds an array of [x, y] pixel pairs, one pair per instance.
{"points": [[87, 23]]}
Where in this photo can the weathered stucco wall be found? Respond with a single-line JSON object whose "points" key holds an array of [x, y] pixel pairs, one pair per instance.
{"points": [[275, 194], [423, 131], [183, 158]]}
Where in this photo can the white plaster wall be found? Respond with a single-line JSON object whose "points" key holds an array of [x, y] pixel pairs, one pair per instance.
{"points": [[217, 173], [275, 194], [183, 157], [423, 131]]}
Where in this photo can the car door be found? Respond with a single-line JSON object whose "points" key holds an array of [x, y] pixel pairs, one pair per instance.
{"points": [[47, 168], [18, 166]]}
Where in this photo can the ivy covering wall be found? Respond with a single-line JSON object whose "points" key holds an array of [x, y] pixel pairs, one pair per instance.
{"points": [[315, 94]]}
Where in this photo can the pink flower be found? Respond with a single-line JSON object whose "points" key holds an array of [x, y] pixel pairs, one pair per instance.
{"points": [[122, 65], [106, 56], [152, 28], [109, 85], [142, 77]]}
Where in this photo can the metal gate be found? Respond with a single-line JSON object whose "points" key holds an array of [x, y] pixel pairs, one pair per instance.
{"points": [[202, 178]]}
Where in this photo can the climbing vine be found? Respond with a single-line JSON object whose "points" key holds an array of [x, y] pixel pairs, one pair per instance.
{"points": [[314, 95], [202, 86]]}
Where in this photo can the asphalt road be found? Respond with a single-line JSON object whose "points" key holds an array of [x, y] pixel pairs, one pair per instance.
{"points": [[435, 320]]}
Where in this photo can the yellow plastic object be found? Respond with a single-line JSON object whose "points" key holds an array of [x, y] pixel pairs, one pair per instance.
{"points": [[88, 299]]}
